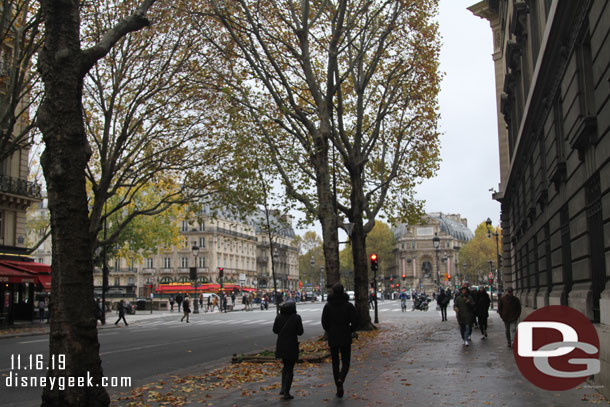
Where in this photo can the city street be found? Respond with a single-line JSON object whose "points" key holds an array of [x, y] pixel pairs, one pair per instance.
{"points": [[415, 358], [158, 343]]}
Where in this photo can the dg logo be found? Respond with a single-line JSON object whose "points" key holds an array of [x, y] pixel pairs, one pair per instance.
{"points": [[557, 348]]}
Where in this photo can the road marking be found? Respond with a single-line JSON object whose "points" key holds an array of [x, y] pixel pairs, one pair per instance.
{"points": [[38, 340], [258, 321]]}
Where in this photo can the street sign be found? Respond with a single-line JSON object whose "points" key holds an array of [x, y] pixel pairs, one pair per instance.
{"points": [[242, 277]]}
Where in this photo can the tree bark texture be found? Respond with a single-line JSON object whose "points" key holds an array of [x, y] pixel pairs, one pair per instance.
{"points": [[326, 213], [73, 326], [359, 254]]}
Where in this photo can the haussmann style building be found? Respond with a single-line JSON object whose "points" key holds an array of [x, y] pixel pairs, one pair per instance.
{"points": [[552, 65], [420, 262]]}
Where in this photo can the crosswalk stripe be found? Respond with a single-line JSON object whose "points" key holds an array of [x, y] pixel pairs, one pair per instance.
{"points": [[258, 321]]}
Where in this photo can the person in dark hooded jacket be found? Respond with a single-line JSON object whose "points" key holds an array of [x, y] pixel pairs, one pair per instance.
{"points": [[287, 326], [339, 320]]}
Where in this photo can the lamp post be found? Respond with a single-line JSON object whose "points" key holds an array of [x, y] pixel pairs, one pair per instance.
{"points": [[322, 288], [312, 263], [499, 283], [437, 247], [195, 250], [464, 276], [491, 265]]}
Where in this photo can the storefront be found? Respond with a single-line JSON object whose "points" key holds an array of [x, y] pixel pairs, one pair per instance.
{"points": [[22, 284]]}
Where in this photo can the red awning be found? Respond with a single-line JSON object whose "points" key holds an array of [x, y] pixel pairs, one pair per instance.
{"points": [[37, 268], [11, 275], [45, 281], [38, 272]]}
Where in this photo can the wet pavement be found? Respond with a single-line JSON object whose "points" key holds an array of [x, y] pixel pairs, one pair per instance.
{"points": [[414, 359]]}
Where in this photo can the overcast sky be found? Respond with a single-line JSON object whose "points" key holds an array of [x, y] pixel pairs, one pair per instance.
{"points": [[469, 141]]}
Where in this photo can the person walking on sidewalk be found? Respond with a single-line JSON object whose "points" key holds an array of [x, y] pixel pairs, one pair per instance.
{"points": [[41, 307], [443, 301], [509, 308], [463, 305], [171, 303], [288, 325], [121, 309], [98, 311], [179, 301], [186, 307], [481, 310], [339, 320]]}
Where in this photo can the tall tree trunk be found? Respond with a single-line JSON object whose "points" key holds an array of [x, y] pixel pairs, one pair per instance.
{"points": [[359, 255], [327, 213], [73, 326]]}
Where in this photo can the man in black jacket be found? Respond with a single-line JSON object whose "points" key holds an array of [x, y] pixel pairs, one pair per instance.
{"points": [[339, 322]]}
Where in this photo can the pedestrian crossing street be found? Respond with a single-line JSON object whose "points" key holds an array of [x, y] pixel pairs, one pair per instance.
{"points": [[150, 325], [309, 314]]}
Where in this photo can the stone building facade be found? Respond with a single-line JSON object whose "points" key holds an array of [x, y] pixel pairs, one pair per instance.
{"points": [[552, 62], [418, 260], [239, 246], [284, 254]]}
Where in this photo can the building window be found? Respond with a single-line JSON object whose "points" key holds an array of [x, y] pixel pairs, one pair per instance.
{"points": [[202, 226], [131, 281], [185, 226], [149, 263], [166, 262], [117, 264], [202, 242], [201, 262], [117, 281], [184, 262]]}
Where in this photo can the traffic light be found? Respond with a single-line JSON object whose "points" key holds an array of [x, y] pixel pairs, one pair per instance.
{"points": [[404, 276], [449, 277], [391, 279], [374, 264], [397, 285], [491, 278], [220, 272]]}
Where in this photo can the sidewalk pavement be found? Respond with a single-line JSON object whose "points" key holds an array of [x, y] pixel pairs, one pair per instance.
{"points": [[410, 362]]}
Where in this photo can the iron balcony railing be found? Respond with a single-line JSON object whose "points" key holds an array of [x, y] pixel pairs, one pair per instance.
{"points": [[18, 186]]}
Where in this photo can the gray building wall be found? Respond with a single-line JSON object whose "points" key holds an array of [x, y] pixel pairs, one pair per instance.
{"points": [[555, 192]]}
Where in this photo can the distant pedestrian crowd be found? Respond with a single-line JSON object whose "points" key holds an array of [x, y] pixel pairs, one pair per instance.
{"points": [[472, 311]]}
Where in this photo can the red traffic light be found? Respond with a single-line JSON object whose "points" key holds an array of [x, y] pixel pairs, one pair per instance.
{"points": [[404, 276], [391, 278], [373, 257], [397, 285]]}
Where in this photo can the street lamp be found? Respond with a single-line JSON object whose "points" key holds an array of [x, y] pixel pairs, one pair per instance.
{"points": [[312, 263], [499, 283], [322, 288], [491, 265], [464, 276], [195, 250], [437, 246]]}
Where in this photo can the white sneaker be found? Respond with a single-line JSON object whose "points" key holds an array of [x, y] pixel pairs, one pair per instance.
{"points": [[466, 342]]}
